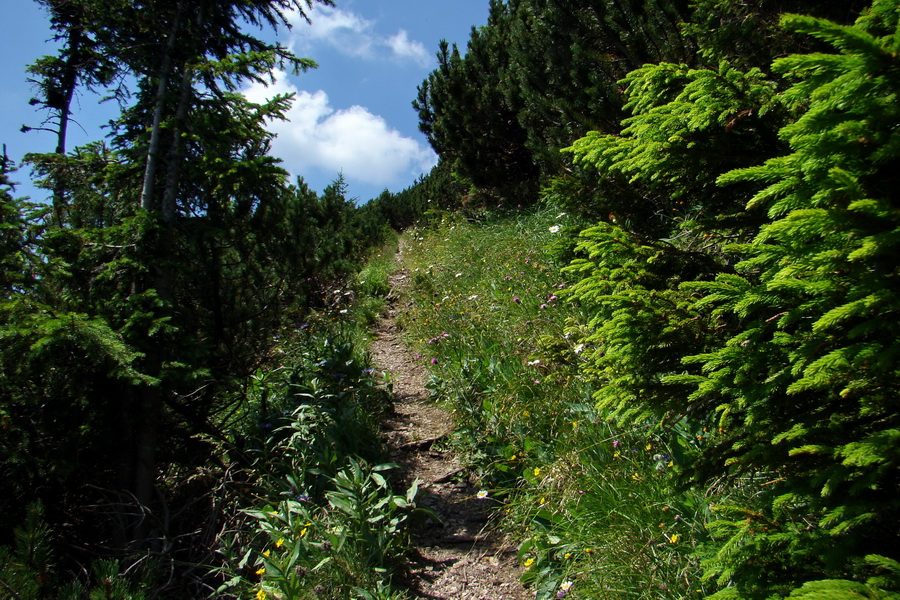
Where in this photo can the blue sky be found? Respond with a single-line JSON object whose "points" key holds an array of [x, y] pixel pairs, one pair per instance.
{"points": [[351, 115]]}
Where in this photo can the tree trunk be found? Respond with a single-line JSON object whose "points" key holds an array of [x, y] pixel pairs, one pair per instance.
{"points": [[150, 401], [147, 201]]}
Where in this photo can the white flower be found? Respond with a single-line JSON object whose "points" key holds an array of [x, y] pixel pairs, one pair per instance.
{"points": [[482, 494], [579, 348], [567, 585], [534, 362], [554, 228]]}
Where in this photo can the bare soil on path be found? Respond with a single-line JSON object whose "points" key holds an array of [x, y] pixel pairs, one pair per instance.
{"points": [[463, 557]]}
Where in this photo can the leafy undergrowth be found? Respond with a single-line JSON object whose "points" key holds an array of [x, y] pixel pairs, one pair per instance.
{"points": [[325, 522], [592, 505]]}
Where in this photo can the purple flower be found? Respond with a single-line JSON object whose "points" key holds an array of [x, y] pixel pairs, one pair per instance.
{"points": [[516, 299], [616, 444], [434, 361]]}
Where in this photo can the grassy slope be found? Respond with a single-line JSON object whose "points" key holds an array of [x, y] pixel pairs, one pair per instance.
{"points": [[592, 505]]}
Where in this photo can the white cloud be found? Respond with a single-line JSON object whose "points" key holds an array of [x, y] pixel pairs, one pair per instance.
{"points": [[404, 47], [353, 35], [354, 141]]}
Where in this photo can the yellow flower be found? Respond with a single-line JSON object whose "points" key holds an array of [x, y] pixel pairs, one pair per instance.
{"points": [[279, 543], [617, 454], [567, 555], [588, 550], [529, 562], [671, 463], [537, 471], [543, 501], [649, 447], [303, 531], [674, 539], [267, 553], [261, 595], [261, 571], [635, 476]]}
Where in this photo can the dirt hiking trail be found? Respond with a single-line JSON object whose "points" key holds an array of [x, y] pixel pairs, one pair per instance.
{"points": [[463, 557]]}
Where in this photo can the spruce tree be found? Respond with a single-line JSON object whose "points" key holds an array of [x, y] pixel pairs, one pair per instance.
{"points": [[804, 395]]}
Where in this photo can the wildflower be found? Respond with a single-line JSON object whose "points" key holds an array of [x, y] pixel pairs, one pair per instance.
{"points": [[617, 454], [588, 550], [567, 585], [434, 361], [579, 348], [279, 543], [261, 594], [674, 539], [261, 571], [516, 299], [531, 363], [303, 531], [543, 501], [616, 443], [635, 476], [529, 562], [554, 228], [649, 447], [482, 494], [567, 555], [267, 553], [537, 471]]}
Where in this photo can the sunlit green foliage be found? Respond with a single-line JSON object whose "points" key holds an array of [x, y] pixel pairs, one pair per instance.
{"points": [[794, 359]]}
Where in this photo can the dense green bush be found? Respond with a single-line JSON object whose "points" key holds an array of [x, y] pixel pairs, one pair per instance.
{"points": [[793, 368]]}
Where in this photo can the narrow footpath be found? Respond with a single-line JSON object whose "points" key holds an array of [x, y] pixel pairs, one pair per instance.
{"points": [[463, 557]]}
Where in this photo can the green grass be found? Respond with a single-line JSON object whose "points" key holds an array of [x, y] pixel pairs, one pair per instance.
{"points": [[592, 506]]}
